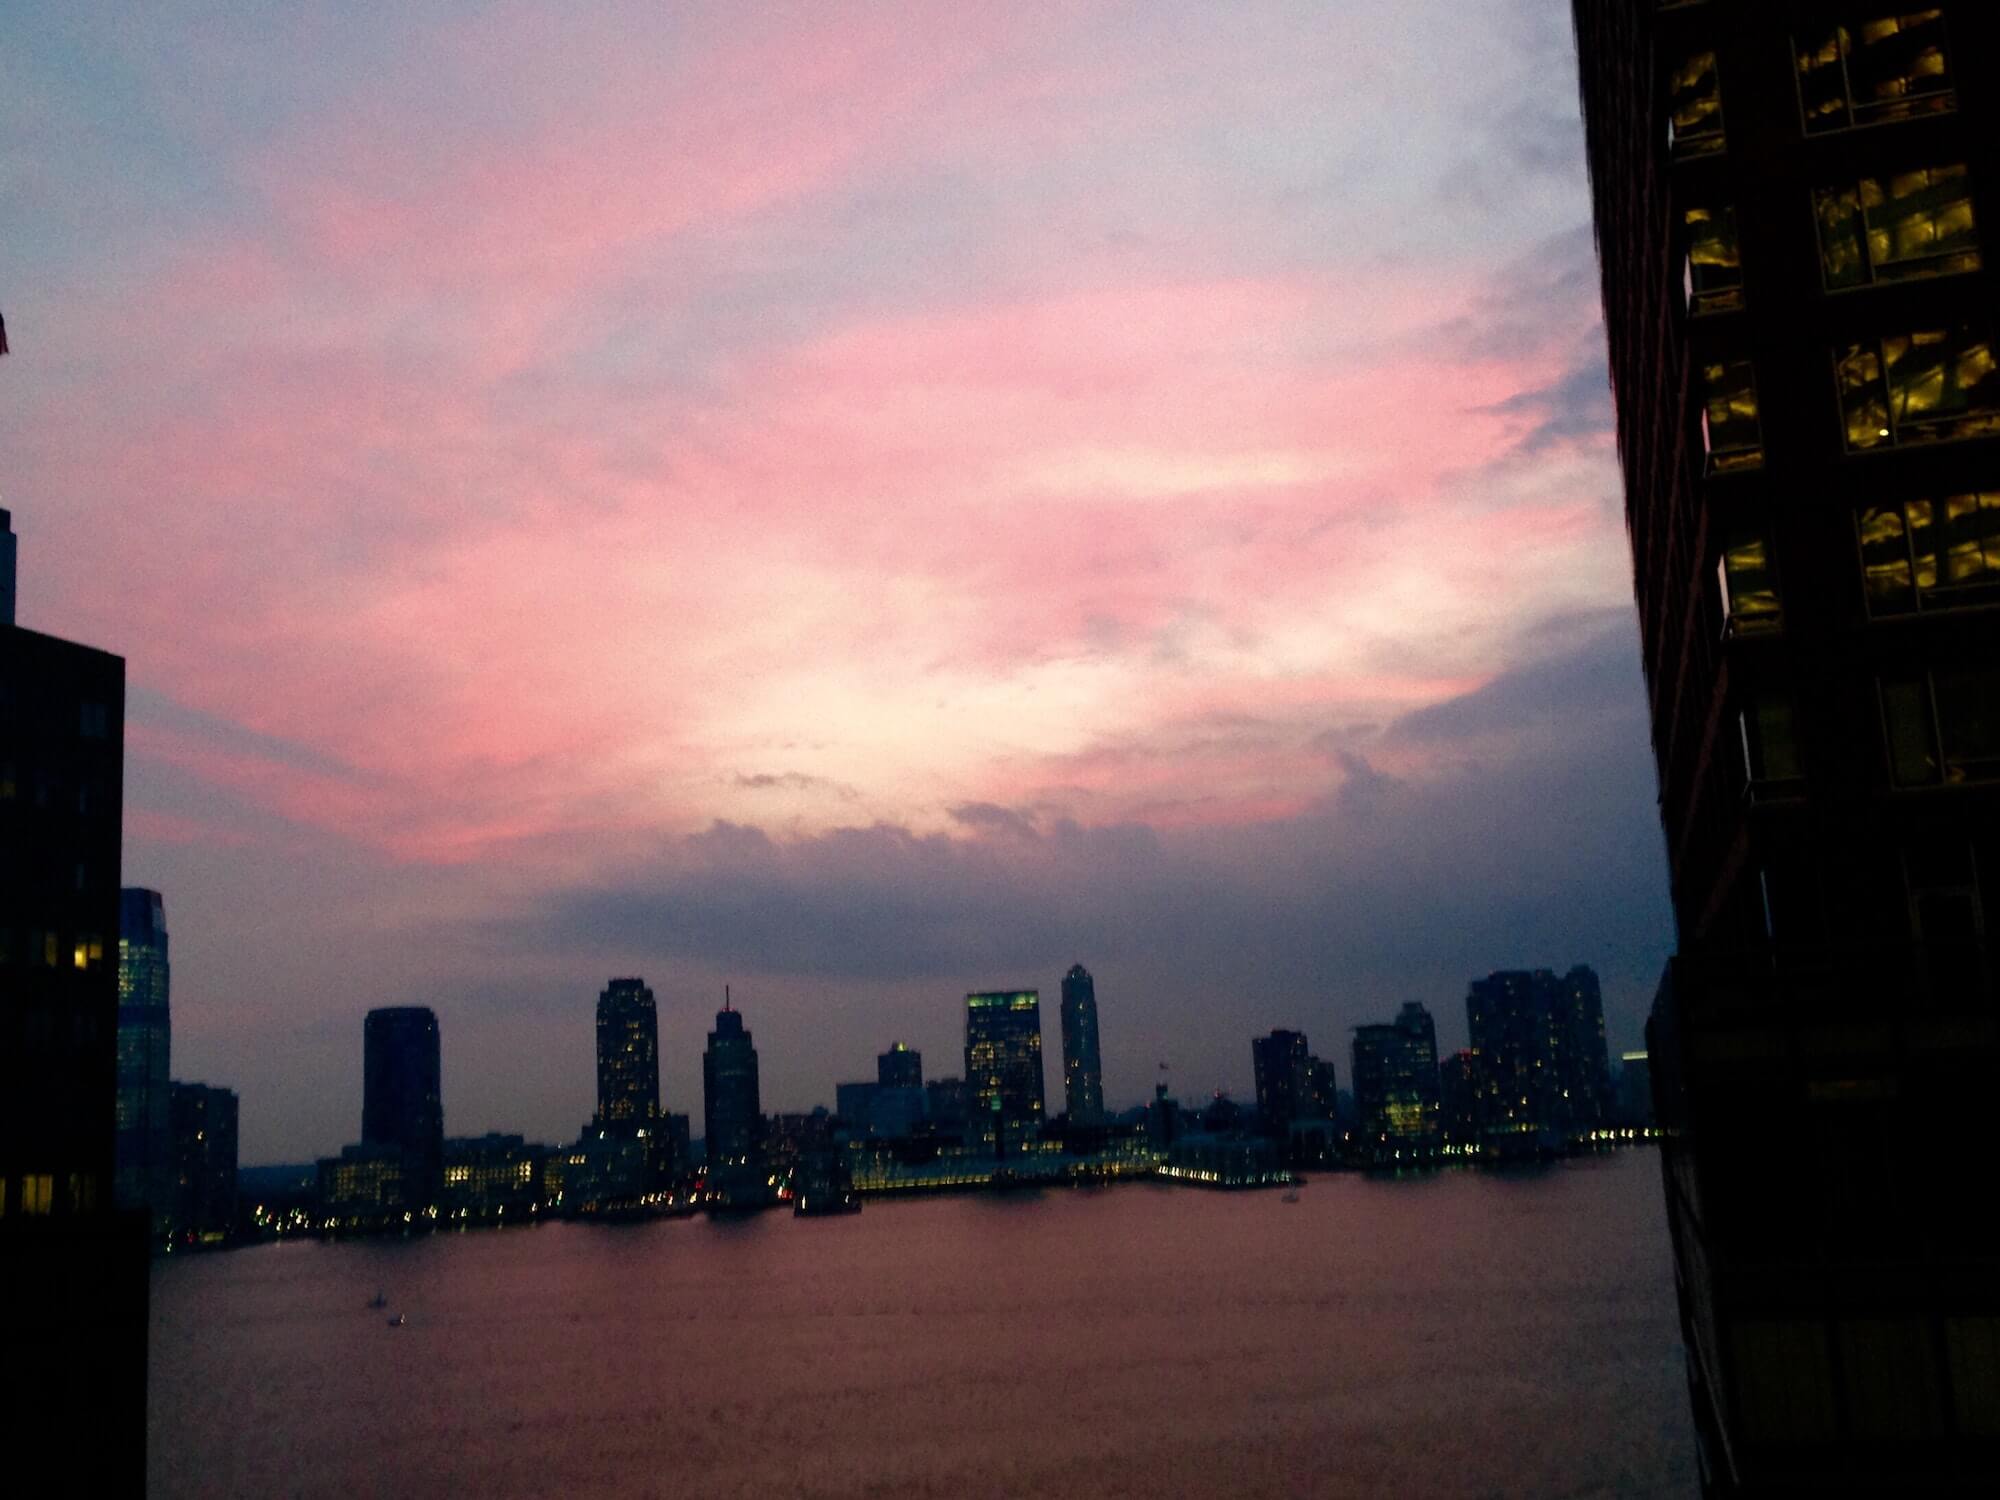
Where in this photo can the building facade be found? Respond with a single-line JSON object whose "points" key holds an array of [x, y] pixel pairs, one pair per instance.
{"points": [[1282, 1066], [732, 1114], [402, 1095], [203, 1134], [628, 1058], [1003, 1068], [73, 1371], [145, 1179], [1083, 1067], [1793, 203], [1396, 1083], [901, 1067]]}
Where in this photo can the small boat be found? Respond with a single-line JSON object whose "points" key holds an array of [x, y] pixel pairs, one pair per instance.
{"points": [[378, 1300], [398, 1321]]}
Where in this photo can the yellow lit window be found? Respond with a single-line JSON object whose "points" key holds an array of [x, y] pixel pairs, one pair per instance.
{"points": [[1713, 277], [38, 1193], [1730, 431], [1748, 583], [1908, 224], [1694, 107], [1891, 68], [1935, 386]]}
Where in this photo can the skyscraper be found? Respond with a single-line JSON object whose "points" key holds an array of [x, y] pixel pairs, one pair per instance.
{"points": [[628, 1058], [1083, 1069], [1513, 1019], [402, 1096], [145, 1172], [1003, 1067], [203, 1133], [1282, 1066], [1396, 1082], [1791, 203], [732, 1116], [73, 1361], [901, 1067], [1583, 1061]]}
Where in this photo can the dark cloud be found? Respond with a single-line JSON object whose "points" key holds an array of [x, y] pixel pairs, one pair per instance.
{"points": [[992, 817], [1534, 842], [1573, 408]]}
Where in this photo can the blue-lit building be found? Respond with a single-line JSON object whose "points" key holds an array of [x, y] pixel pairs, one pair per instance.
{"points": [[145, 1167]]}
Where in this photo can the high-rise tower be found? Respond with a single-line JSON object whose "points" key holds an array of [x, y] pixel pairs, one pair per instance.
{"points": [[732, 1114], [1281, 1065], [402, 1098], [1003, 1067], [145, 1171], [1083, 1069], [1396, 1082], [628, 1058], [1795, 208]]}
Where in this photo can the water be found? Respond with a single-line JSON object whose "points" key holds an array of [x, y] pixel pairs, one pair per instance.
{"points": [[1455, 1335]]}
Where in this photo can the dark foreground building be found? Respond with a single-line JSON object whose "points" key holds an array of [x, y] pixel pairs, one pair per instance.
{"points": [[732, 1110], [73, 1356], [1795, 208], [1396, 1084]]}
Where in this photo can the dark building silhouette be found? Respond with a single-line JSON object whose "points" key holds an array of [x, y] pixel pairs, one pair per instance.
{"points": [[1083, 1067], [1396, 1082], [402, 1095], [203, 1135], [854, 1103], [1633, 1106], [1282, 1066], [1003, 1067], [901, 1067], [1513, 1017], [146, 1169], [1583, 1063], [732, 1116], [73, 1371], [1322, 1090], [944, 1103], [1458, 1101], [628, 1059], [1794, 207]]}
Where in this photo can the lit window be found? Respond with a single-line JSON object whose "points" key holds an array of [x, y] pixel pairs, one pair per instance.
{"points": [[1730, 433], [1713, 276], [1891, 68], [1748, 584], [1694, 107], [1932, 554], [1928, 387], [38, 1193], [1897, 227]]}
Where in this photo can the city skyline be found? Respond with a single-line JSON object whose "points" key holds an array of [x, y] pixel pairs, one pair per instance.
{"points": [[824, 540]]}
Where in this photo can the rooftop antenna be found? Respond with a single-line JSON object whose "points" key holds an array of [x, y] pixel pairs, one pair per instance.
{"points": [[725, 997]]}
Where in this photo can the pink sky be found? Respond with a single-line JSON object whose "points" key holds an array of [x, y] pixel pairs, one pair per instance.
{"points": [[504, 446]]}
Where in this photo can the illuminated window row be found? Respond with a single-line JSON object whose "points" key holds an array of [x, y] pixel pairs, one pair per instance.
{"points": [[1893, 67], [1896, 227]]}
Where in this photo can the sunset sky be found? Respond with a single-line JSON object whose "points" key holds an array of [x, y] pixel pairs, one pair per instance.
{"points": [[861, 502]]}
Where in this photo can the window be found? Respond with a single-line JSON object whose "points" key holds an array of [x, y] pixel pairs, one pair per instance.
{"points": [[1749, 586], [93, 721], [1896, 227], [1784, 1381], [1730, 433], [1770, 740], [1929, 554], [1943, 726], [1891, 68], [1694, 108], [38, 1193], [1927, 387], [1713, 275]]}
